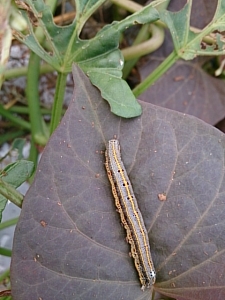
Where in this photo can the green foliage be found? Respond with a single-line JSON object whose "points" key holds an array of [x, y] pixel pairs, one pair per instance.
{"points": [[12, 176], [99, 57], [189, 44]]}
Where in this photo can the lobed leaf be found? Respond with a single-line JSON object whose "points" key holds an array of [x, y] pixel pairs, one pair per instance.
{"points": [[99, 57], [189, 44]]}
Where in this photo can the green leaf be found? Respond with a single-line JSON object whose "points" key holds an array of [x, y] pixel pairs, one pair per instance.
{"points": [[117, 97], [14, 175], [99, 57], [189, 44]]}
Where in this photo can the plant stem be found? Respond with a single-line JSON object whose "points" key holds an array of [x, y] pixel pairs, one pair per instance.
{"points": [[5, 252], [8, 223], [33, 156], [17, 72], [11, 193], [32, 94], [142, 48], [142, 36], [17, 121], [156, 74], [128, 5], [58, 101]]}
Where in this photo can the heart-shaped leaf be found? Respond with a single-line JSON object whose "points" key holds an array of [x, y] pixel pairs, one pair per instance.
{"points": [[69, 243]]}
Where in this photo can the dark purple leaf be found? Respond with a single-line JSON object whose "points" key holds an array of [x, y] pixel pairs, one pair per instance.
{"points": [[69, 243], [185, 87]]}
